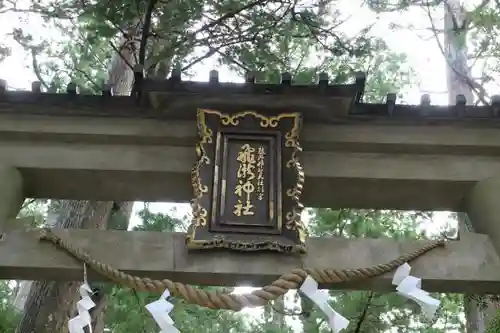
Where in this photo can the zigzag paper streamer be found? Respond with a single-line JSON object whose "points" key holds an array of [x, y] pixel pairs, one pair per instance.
{"points": [[410, 287], [160, 310], [77, 324], [310, 289]]}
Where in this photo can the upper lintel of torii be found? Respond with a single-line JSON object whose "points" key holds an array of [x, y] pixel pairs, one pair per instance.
{"points": [[174, 98]]}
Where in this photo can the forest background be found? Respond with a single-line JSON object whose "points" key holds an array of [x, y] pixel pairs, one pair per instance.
{"points": [[403, 46]]}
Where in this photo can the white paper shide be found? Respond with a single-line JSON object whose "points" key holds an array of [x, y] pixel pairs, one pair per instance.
{"points": [[310, 289], [160, 311], [78, 323], [410, 287]]}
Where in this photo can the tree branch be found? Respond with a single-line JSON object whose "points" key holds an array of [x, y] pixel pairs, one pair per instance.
{"points": [[121, 55], [33, 49], [145, 31], [36, 69], [26, 203], [88, 77], [364, 313]]}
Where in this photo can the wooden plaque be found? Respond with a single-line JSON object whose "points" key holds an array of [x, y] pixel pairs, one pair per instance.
{"points": [[247, 183]]}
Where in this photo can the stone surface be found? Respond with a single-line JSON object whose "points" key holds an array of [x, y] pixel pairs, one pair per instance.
{"points": [[469, 265], [11, 196], [482, 205], [420, 166]]}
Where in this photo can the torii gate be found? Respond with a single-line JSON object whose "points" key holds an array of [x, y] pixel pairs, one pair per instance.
{"points": [[142, 147]]}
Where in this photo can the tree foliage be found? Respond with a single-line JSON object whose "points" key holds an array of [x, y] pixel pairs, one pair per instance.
{"points": [[268, 36], [8, 316], [481, 22]]}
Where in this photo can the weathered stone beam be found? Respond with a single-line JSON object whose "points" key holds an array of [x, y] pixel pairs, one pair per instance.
{"points": [[471, 265], [386, 136], [162, 173], [347, 165]]}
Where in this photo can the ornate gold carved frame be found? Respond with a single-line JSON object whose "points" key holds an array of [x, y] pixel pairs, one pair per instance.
{"points": [[281, 229]]}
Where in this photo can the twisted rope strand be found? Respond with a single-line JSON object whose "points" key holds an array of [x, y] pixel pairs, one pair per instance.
{"points": [[217, 300]]}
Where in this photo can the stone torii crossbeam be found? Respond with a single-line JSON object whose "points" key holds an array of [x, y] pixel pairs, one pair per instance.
{"points": [[424, 157]]}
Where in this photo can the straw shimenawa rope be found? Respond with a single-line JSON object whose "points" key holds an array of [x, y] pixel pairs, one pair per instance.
{"points": [[215, 300]]}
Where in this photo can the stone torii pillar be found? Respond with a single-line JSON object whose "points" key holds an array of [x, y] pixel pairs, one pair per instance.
{"points": [[11, 196], [483, 208]]}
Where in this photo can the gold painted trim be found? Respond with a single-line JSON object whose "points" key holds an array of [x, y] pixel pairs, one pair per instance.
{"points": [[293, 218], [200, 213], [215, 187], [221, 243]]}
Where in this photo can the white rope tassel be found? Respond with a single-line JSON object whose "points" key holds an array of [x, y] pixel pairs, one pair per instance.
{"points": [[160, 310], [335, 320], [77, 324], [410, 287]]}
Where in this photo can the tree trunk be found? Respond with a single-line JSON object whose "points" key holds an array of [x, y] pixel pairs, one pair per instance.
{"points": [[121, 74], [474, 315], [50, 304], [23, 291], [121, 79], [457, 72], [117, 221]]}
